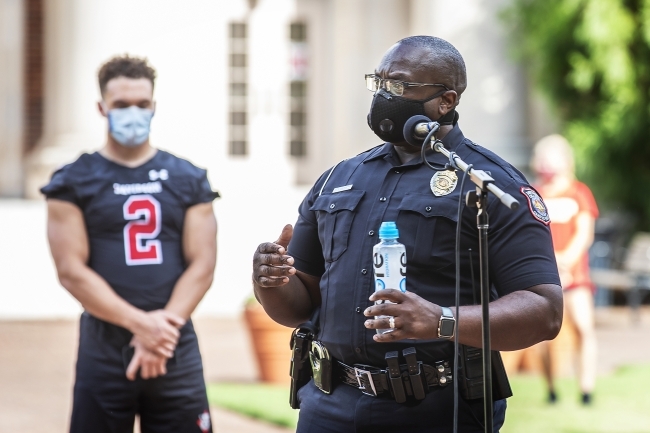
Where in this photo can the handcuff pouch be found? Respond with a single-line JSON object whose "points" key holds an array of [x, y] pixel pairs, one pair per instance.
{"points": [[321, 366]]}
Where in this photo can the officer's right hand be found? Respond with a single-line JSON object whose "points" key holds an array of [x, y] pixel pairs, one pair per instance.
{"points": [[271, 266], [158, 331]]}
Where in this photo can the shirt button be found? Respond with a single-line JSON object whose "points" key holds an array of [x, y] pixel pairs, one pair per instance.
{"points": [[428, 208], [397, 171], [332, 206], [382, 199], [358, 309], [364, 271], [371, 233], [358, 350]]}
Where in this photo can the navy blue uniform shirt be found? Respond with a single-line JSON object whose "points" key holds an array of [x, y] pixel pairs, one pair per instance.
{"points": [[336, 231], [134, 218]]}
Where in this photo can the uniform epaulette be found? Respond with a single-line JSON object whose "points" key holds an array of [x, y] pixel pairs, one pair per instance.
{"points": [[495, 159], [371, 149]]}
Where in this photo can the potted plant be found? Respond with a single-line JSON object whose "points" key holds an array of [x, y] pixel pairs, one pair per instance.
{"points": [[270, 343]]}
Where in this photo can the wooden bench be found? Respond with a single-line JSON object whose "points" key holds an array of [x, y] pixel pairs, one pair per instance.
{"points": [[633, 278]]}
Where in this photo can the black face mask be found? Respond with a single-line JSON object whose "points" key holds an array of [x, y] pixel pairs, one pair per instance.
{"points": [[389, 113]]}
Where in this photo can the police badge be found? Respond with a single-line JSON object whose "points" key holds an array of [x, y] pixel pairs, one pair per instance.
{"points": [[443, 182]]}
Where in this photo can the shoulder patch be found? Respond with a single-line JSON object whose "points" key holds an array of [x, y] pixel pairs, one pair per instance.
{"points": [[536, 205]]}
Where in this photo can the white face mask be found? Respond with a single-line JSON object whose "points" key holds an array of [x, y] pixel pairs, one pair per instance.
{"points": [[130, 126]]}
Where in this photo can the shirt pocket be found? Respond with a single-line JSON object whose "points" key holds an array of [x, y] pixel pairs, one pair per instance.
{"points": [[335, 213], [427, 228]]}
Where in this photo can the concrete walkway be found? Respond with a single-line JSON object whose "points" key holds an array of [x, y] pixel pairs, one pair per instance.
{"points": [[37, 360], [37, 369]]}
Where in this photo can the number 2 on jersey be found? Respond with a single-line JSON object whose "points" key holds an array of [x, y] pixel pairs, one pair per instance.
{"points": [[140, 243]]}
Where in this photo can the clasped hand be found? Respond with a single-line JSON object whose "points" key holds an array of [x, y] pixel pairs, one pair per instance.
{"points": [[414, 317], [154, 341]]}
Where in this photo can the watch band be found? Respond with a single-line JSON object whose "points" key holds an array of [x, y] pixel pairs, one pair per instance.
{"points": [[446, 324]]}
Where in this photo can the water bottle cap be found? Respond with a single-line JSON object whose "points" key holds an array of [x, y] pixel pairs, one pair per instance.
{"points": [[388, 230]]}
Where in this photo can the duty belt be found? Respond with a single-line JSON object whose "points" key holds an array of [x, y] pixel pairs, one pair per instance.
{"points": [[412, 379]]}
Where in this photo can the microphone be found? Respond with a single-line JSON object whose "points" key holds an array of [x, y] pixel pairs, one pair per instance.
{"points": [[417, 128]]}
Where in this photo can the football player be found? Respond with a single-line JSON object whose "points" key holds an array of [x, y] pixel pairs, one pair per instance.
{"points": [[133, 236]]}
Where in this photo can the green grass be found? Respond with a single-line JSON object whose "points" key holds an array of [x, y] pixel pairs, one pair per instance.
{"points": [[621, 404], [261, 401]]}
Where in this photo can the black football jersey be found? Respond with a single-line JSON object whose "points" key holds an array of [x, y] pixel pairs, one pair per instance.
{"points": [[134, 219]]}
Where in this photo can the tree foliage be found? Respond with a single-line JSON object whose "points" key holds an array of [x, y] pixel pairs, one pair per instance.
{"points": [[591, 58]]}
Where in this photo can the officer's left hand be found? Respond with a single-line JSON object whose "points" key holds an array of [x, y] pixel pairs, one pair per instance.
{"points": [[415, 317]]}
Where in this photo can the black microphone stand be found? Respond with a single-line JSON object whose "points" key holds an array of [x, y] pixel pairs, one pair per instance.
{"points": [[479, 199]]}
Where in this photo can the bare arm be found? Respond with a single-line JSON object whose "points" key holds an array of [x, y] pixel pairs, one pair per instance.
{"points": [[69, 246], [518, 320], [200, 252], [287, 295]]}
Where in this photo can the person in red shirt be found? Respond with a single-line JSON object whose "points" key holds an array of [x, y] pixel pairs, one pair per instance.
{"points": [[573, 211]]}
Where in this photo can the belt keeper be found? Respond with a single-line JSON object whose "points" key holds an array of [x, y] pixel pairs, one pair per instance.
{"points": [[415, 375], [395, 376]]}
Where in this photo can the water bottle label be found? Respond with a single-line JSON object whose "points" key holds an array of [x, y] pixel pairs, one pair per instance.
{"points": [[390, 273], [389, 263]]}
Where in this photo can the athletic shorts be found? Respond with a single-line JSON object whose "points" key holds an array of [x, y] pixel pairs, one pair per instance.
{"points": [[105, 401]]}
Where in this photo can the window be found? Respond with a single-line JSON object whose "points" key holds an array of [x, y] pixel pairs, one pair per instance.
{"points": [[237, 118], [238, 85], [34, 72], [298, 90]]}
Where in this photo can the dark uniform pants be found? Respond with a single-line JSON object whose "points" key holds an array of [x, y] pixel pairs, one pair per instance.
{"points": [[105, 401], [348, 410]]}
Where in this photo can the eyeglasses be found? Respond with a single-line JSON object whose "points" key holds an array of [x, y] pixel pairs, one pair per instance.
{"points": [[394, 87]]}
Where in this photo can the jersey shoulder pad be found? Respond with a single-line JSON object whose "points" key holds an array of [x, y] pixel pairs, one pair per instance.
{"points": [[181, 166]]}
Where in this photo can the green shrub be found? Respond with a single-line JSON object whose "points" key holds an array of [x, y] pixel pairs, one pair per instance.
{"points": [[591, 59]]}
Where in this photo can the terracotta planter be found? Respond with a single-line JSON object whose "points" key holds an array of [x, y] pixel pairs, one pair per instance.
{"points": [[564, 354], [270, 345]]}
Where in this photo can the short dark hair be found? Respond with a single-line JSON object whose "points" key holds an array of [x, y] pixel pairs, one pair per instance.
{"points": [[125, 66], [446, 57]]}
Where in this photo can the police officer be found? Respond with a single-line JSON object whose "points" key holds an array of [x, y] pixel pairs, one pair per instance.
{"points": [[133, 236], [326, 260]]}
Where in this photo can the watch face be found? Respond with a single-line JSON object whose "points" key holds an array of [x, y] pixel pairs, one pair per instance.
{"points": [[447, 327]]}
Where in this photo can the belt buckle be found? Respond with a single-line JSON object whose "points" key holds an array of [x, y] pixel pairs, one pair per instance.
{"points": [[359, 373]]}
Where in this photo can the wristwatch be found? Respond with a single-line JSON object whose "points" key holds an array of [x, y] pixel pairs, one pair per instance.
{"points": [[446, 324]]}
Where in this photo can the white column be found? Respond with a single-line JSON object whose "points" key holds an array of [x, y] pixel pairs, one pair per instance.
{"points": [[71, 125], [11, 97], [268, 40]]}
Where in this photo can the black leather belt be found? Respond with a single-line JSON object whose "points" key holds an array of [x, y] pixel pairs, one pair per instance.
{"points": [[399, 380]]}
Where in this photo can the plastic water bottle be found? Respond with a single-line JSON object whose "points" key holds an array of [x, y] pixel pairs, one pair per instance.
{"points": [[389, 263]]}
